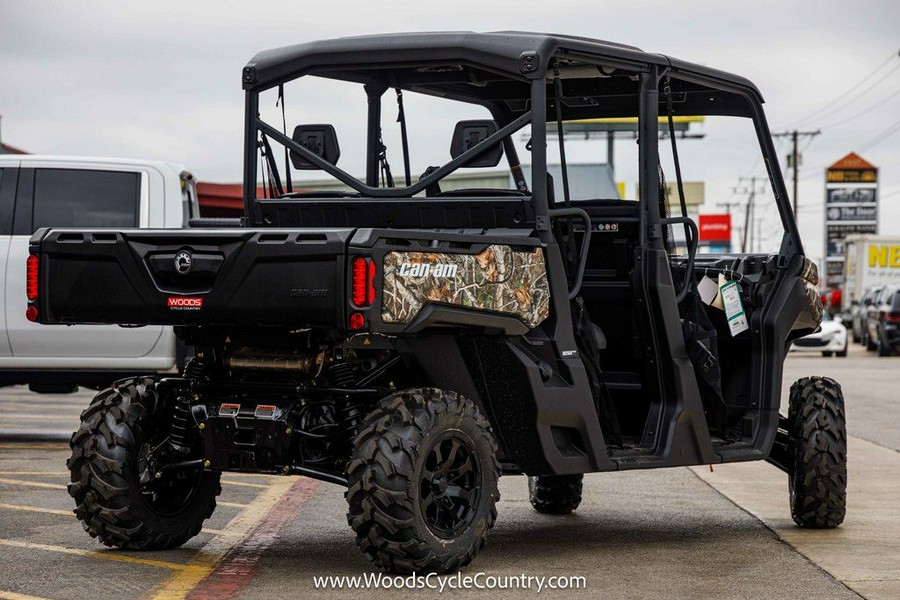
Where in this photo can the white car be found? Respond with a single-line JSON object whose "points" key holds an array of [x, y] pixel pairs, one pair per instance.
{"points": [[830, 340]]}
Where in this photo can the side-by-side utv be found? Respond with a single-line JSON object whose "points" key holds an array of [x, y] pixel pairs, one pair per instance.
{"points": [[412, 342]]}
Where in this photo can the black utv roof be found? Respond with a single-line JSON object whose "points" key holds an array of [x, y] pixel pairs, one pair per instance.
{"points": [[516, 54]]}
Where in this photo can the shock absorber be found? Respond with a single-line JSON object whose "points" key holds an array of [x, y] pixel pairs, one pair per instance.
{"points": [[181, 422], [348, 411], [341, 374], [181, 414]]}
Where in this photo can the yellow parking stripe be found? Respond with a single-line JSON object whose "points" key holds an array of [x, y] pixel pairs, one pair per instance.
{"points": [[147, 562], [37, 509], [4, 595], [40, 484], [204, 562], [232, 504]]}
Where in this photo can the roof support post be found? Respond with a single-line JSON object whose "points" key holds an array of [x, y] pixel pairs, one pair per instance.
{"points": [[648, 158], [374, 92], [539, 154], [251, 109]]}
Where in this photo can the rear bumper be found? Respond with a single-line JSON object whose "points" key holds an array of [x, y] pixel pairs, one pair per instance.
{"points": [[834, 343]]}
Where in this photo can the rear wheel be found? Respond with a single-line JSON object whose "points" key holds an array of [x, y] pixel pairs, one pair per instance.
{"points": [[884, 349], [422, 482], [555, 494], [818, 474], [870, 345], [122, 495]]}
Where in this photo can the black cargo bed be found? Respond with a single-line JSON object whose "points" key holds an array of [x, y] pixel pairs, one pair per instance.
{"points": [[244, 277]]}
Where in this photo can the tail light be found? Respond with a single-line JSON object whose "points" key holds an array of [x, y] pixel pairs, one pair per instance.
{"points": [[892, 317], [31, 278], [362, 292]]}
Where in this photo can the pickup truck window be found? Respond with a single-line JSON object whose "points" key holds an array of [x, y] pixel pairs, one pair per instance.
{"points": [[7, 199], [85, 198]]}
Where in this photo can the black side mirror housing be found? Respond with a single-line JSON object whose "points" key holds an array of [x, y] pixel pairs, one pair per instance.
{"points": [[469, 134], [321, 140]]}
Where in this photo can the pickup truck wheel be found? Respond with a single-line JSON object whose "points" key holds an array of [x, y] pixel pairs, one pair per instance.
{"points": [[818, 474], [114, 466], [555, 494], [870, 345], [422, 482]]}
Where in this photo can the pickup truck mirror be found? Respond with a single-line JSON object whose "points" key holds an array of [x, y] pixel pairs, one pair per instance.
{"points": [[318, 139], [469, 134]]}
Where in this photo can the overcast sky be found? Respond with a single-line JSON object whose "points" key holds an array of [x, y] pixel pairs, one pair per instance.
{"points": [[161, 80]]}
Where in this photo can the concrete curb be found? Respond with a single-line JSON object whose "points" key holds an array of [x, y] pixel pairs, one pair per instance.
{"points": [[21, 435]]}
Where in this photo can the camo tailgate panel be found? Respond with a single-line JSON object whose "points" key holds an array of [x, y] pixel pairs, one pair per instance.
{"points": [[498, 279]]}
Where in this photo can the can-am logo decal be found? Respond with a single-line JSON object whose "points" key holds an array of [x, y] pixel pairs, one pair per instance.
{"points": [[425, 269], [183, 262], [185, 302]]}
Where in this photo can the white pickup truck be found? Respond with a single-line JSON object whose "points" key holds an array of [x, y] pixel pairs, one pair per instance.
{"points": [[50, 191]]}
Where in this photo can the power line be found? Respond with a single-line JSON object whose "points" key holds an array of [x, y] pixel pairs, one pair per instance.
{"points": [[890, 96], [850, 101], [885, 134], [850, 90]]}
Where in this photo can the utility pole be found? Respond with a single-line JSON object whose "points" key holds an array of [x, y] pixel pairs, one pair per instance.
{"points": [[727, 206], [749, 211], [794, 158]]}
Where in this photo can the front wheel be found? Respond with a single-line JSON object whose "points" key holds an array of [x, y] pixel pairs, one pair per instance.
{"points": [[114, 466], [422, 482], [818, 438], [555, 494]]}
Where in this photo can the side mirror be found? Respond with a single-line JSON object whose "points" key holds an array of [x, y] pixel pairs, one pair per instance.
{"points": [[321, 140], [469, 134]]}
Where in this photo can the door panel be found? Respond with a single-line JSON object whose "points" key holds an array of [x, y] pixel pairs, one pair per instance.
{"points": [[61, 197], [8, 177]]}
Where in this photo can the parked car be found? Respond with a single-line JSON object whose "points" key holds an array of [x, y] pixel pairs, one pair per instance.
{"points": [[49, 191], [858, 313], [883, 323], [830, 340]]}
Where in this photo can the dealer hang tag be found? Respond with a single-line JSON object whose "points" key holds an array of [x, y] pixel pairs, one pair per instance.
{"points": [[708, 290], [734, 308]]}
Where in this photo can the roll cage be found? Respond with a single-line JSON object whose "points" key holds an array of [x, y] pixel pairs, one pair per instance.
{"points": [[518, 77]]}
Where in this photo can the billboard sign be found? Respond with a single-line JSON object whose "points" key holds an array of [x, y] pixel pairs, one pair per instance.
{"points": [[851, 207], [715, 228]]}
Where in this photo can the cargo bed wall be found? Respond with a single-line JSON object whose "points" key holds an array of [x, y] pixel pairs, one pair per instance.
{"points": [[234, 277]]}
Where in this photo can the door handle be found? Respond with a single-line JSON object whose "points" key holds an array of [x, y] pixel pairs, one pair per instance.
{"points": [[585, 243]]}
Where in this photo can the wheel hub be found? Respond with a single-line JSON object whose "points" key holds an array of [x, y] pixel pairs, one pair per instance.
{"points": [[450, 483]]}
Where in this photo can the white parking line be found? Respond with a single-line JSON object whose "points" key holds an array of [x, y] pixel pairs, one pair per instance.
{"points": [[37, 509], [40, 484]]}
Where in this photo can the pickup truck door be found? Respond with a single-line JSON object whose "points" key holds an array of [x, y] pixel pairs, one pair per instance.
{"points": [[59, 196], [8, 175]]}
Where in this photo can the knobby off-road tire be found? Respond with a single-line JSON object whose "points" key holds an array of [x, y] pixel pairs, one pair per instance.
{"points": [[818, 477], [555, 494], [106, 467], [422, 482]]}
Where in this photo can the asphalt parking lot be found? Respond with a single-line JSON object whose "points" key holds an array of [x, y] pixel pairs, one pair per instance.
{"points": [[674, 533]]}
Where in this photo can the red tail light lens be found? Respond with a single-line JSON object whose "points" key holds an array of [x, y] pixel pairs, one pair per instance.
{"points": [[31, 277], [893, 317], [358, 293], [370, 291], [357, 321]]}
